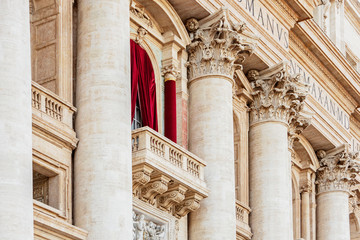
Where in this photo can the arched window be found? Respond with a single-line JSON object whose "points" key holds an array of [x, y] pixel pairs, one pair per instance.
{"points": [[143, 89]]}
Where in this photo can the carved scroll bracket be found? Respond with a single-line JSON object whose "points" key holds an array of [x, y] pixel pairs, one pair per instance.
{"points": [[157, 185], [191, 203]]}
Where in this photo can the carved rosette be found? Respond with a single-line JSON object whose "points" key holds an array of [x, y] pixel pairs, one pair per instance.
{"points": [[278, 96], [218, 46], [337, 172]]}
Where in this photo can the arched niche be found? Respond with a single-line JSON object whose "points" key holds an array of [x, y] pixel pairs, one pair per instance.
{"points": [[166, 18], [157, 72], [307, 154]]}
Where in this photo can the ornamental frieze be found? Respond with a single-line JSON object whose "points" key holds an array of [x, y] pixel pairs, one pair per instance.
{"points": [[218, 46], [337, 171]]}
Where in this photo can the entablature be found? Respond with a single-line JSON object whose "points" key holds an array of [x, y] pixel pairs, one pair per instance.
{"points": [[331, 58]]}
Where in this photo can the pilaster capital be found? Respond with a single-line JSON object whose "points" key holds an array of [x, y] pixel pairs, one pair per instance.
{"points": [[218, 46], [338, 170], [278, 96], [170, 72]]}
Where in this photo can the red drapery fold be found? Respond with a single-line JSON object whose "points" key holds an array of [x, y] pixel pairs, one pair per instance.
{"points": [[143, 82]]}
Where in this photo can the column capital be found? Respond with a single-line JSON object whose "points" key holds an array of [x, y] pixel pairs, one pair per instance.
{"points": [[278, 96], [170, 72], [338, 170], [218, 46]]}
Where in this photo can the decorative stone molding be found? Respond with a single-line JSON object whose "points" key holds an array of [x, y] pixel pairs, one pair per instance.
{"points": [[354, 202], [278, 97], [218, 47], [170, 72], [158, 185], [338, 170], [306, 187], [190, 204], [166, 177], [174, 195], [141, 33], [140, 13], [141, 176], [144, 229]]}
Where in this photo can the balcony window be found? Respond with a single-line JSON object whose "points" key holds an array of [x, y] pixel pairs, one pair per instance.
{"points": [[137, 121]]}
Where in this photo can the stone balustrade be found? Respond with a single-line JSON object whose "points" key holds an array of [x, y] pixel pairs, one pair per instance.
{"points": [[48, 105], [243, 230], [166, 175]]}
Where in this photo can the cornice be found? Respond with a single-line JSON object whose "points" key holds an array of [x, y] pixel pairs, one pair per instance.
{"points": [[287, 15], [352, 13], [342, 73], [297, 45]]}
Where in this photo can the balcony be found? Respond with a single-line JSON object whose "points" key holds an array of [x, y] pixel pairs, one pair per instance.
{"points": [[165, 175], [243, 230], [52, 115]]}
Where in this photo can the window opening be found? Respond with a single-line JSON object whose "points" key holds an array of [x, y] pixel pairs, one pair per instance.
{"points": [[137, 121]]}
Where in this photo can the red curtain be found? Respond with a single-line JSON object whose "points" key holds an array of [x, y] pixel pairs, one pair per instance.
{"points": [[143, 86]]}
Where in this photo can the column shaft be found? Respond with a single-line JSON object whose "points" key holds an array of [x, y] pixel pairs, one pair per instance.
{"points": [[333, 216], [211, 138], [305, 215], [170, 109], [270, 199], [16, 203], [103, 196]]}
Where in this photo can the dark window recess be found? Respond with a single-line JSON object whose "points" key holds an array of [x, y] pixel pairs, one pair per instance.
{"points": [[137, 121], [40, 187]]}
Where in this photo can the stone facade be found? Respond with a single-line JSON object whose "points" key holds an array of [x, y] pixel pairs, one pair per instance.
{"points": [[267, 119]]}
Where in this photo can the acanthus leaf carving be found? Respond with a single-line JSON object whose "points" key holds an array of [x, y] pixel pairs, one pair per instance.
{"points": [[218, 46], [170, 72], [278, 96], [338, 170]]}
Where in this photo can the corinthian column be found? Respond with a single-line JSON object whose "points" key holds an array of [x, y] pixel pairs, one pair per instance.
{"points": [[103, 195], [218, 47], [16, 203], [278, 100], [337, 173]]}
